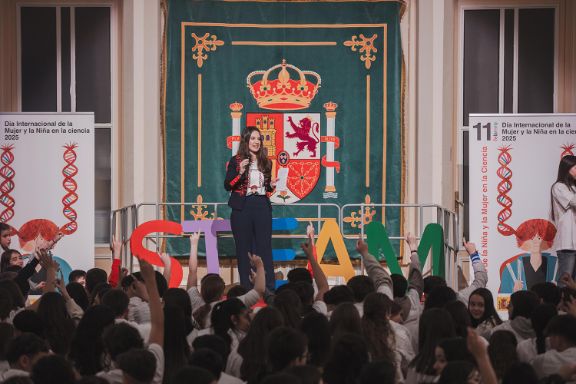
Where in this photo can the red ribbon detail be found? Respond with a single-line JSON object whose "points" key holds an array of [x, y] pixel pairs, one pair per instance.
{"points": [[331, 139], [329, 164]]}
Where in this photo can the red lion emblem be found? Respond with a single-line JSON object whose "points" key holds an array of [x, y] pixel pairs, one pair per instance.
{"points": [[302, 132]]}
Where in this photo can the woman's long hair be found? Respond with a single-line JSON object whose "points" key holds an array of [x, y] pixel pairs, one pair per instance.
{"points": [[345, 319], [58, 326], [490, 312], [253, 347], [540, 319], [211, 289], [221, 317], [564, 177], [435, 324], [264, 164], [290, 306], [87, 346], [176, 348], [460, 316], [376, 328], [315, 326], [179, 298], [347, 357], [5, 258]]}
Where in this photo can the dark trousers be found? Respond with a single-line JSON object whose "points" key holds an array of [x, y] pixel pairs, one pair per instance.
{"points": [[252, 230]]}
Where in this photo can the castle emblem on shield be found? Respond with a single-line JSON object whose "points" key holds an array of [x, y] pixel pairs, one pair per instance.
{"points": [[292, 139]]}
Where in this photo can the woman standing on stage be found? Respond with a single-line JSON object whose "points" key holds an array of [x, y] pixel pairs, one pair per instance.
{"points": [[563, 213], [249, 178]]}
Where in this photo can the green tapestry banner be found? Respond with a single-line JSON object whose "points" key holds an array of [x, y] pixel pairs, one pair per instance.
{"points": [[321, 80]]}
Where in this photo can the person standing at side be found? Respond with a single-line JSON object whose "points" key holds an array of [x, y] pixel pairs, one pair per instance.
{"points": [[249, 178], [563, 214]]}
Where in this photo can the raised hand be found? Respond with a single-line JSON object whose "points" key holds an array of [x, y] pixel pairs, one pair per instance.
{"points": [[475, 345], [411, 241], [116, 248], [243, 165], [255, 261], [469, 246], [46, 260], [310, 231], [195, 238], [362, 247]]}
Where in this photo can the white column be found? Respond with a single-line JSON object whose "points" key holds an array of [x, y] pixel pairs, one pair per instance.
{"points": [[139, 147], [236, 114], [435, 100], [330, 188]]}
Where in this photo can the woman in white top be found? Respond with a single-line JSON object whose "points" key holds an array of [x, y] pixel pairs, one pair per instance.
{"points": [[563, 214]]}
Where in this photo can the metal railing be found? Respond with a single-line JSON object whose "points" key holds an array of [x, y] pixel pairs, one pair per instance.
{"points": [[126, 219]]}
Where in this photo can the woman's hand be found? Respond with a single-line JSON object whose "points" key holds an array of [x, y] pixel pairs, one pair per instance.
{"points": [[243, 165]]}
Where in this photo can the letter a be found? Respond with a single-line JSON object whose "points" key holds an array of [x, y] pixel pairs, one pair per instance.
{"points": [[331, 231]]}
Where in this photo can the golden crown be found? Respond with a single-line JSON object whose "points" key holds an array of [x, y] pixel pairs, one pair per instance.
{"points": [[283, 93]]}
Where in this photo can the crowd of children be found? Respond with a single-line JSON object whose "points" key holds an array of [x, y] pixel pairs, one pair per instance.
{"points": [[377, 328]]}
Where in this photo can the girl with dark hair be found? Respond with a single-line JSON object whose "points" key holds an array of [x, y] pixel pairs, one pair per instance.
{"points": [[347, 357], [483, 314], [179, 298], [460, 372], [252, 349], [530, 348], [58, 325], [249, 179], [10, 257], [231, 321], [450, 350], [212, 286], [502, 352], [522, 304], [561, 331], [435, 324], [290, 306], [460, 316], [176, 347], [376, 328], [315, 326], [78, 293], [5, 236], [563, 214], [345, 319], [87, 346]]}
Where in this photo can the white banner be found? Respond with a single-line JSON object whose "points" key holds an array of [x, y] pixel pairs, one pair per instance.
{"points": [[47, 183], [513, 162]]}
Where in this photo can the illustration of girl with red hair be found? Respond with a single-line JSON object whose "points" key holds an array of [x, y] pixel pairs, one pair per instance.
{"points": [[533, 266], [39, 234]]}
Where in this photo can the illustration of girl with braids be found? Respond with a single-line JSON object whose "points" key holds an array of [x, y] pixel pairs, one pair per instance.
{"points": [[534, 266], [533, 236]]}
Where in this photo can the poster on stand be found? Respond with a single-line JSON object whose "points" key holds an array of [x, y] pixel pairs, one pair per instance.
{"points": [[513, 162], [47, 184]]}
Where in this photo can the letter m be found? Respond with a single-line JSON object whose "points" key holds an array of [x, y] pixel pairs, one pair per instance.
{"points": [[431, 239]]}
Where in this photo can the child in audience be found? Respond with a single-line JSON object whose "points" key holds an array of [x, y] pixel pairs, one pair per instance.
{"points": [[212, 286], [483, 314]]}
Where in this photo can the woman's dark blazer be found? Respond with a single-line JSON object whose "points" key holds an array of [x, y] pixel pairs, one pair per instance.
{"points": [[238, 184]]}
